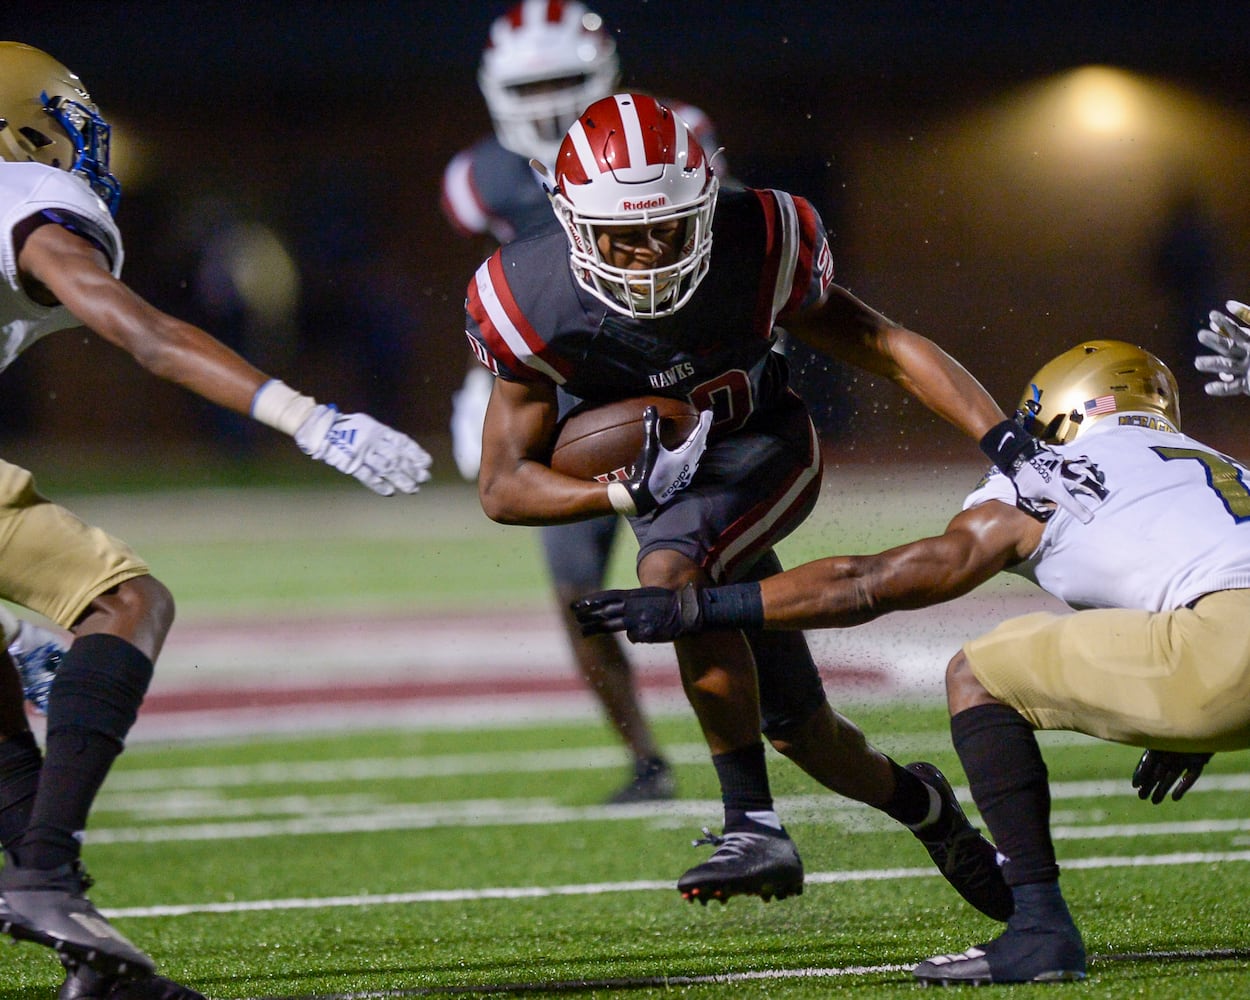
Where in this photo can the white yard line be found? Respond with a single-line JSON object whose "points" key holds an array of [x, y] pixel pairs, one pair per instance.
{"points": [[604, 888]]}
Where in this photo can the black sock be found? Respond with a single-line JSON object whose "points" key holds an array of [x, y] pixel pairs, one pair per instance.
{"points": [[91, 707], [911, 802], [744, 789], [1009, 784], [1041, 906], [20, 761]]}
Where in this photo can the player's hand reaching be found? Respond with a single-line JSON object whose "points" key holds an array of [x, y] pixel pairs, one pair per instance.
{"points": [[659, 472], [645, 614], [1158, 771], [382, 458], [1231, 344], [1042, 477], [656, 614]]}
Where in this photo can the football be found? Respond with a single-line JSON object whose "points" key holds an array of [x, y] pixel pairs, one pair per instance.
{"points": [[602, 442]]}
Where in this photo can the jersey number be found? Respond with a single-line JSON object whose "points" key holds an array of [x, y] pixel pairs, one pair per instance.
{"points": [[1223, 476], [728, 396]]}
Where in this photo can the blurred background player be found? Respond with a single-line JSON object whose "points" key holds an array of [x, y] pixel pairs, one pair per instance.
{"points": [[62, 262], [1156, 657], [544, 62], [626, 295]]}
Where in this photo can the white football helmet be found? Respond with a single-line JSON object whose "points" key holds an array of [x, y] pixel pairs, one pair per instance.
{"points": [[545, 61], [628, 160], [46, 116]]}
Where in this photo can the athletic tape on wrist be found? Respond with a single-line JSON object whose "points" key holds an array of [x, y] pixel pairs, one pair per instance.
{"points": [[621, 501], [279, 406]]}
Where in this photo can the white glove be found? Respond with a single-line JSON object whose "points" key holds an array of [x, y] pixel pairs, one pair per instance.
{"points": [[383, 459], [658, 472], [1047, 479], [1231, 344], [468, 415], [1041, 476]]}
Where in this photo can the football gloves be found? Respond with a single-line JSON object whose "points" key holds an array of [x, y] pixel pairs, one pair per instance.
{"points": [[657, 614], [1158, 771], [645, 614], [1043, 478], [1231, 344], [383, 459], [658, 472]]}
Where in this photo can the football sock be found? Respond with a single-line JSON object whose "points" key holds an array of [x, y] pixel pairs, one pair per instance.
{"points": [[1040, 906], [745, 794], [94, 702], [20, 761], [1009, 784], [915, 804]]}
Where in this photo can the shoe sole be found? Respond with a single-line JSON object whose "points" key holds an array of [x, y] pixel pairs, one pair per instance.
{"points": [[1057, 976], [724, 891], [104, 962]]}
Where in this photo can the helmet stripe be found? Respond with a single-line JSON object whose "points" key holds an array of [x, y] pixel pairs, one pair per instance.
{"points": [[585, 166]]}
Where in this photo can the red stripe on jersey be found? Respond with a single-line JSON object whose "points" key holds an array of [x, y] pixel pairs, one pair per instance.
{"points": [[495, 344], [763, 320], [807, 250], [785, 508], [531, 339]]}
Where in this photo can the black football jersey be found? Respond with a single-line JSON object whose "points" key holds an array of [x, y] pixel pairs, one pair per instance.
{"points": [[528, 318]]}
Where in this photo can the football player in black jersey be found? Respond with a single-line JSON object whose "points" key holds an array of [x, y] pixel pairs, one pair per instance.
{"points": [[623, 297]]}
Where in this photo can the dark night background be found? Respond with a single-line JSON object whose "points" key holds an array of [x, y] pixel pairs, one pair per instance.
{"points": [[322, 129]]}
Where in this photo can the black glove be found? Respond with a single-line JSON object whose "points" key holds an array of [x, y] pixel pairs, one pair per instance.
{"points": [[645, 614], [1158, 770], [656, 614], [659, 472]]}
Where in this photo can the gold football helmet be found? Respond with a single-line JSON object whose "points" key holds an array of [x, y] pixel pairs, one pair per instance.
{"points": [[47, 116], [1093, 380]]}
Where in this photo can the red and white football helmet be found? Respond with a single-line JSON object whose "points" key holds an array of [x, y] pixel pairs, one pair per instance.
{"points": [[628, 160], [545, 61]]}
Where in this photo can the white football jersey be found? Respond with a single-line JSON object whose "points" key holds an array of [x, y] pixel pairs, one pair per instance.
{"points": [[1175, 526], [28, 189]]}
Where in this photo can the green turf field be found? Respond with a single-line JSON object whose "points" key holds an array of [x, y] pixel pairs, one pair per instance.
{"points": [[480, 863]]}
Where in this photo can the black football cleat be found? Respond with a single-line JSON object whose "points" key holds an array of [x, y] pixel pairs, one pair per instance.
{"points": [[1015, 956], [50, 908], [967, 860], [652, 782], [744, 864], [84, 983]]}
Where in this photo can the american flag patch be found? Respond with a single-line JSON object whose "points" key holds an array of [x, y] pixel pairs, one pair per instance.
{"points": [[1103, 404]]}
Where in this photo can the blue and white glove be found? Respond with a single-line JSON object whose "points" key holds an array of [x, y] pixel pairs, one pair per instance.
{"points": [[1042, 477], [468, 415], [1231, 344], [382, 458], [36, 652], [658, 472]]}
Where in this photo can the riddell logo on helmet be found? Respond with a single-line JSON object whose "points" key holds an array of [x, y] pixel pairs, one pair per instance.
{"points": [[642, 204]]}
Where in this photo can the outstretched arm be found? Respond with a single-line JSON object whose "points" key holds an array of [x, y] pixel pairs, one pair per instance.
{"points": [[836, 592], [59, 266], [844, 327]]}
